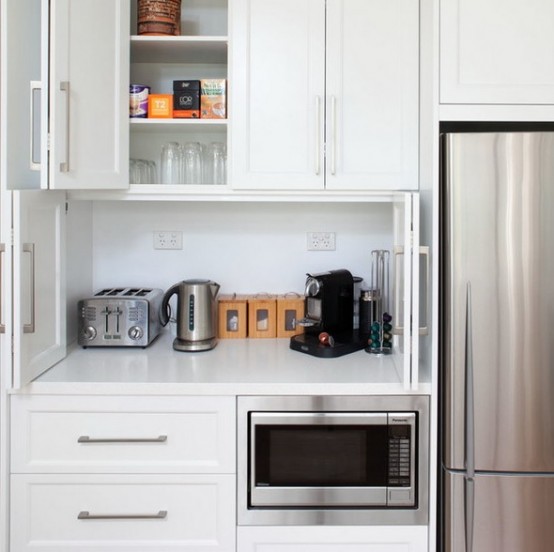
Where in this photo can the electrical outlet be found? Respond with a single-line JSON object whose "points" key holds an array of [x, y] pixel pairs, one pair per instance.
{"points": [[168, 239], [320, 241]]}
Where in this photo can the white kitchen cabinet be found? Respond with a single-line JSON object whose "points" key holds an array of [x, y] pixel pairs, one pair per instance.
{"points": [[124, 473], [89, 78], [326, 98], [332, 539], [65, 82], [200, 51], [142, 513], [496, 52], [122, 434]]}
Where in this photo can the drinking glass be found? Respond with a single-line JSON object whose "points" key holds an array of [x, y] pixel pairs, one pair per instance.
{"points": [[191, 163], [215, 164], [171, 163]]}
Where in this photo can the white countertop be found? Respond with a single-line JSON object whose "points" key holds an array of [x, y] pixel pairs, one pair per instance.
{"points": [[233, 367]]}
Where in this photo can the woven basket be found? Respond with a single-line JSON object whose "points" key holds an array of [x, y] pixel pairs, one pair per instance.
{"points": [[159, 17]]}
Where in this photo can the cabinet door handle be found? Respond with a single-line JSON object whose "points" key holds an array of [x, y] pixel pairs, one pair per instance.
{"points": [[162, 514], [333, 135], [317, 135], [30, 248], [87, 439], [399, 252], [33, 165], [2, 251], [64, 87]]}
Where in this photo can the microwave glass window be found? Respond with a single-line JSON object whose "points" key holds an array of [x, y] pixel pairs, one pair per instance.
{"points": [[330, 456]]}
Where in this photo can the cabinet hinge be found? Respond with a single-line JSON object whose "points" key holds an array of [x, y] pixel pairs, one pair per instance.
{"points": [[48, 142], [66, 207], [11, 237]]}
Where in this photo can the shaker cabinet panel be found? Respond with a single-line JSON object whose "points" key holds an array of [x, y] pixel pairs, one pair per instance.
{"points": [[89, 80], [55, 434], [372, 94], [496, 52], [140, 513], [327, 98], [277, 94], [39, 314]]}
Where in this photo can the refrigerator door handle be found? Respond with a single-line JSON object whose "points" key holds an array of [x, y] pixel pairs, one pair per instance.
{"points": [[469, 436], [469, 503]]}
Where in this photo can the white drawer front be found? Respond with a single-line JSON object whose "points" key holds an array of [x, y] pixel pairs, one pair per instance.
{"points": [[63, 434], [135, 512]]}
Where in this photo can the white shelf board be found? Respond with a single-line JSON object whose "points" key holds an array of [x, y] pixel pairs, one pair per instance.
{"points": [[174, 125], [179, 49]]}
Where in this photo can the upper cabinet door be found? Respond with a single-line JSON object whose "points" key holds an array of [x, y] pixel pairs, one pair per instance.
{"points": [[89, 91], [372, 94], [39, 314], [496, 52], [24, 93], [277, 94]]}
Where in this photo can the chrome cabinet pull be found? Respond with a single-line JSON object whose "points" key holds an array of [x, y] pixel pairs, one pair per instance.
{"points": [[2, 251], [317, 135], [424, 251], [334, 135], [399, 252], [87, 515], [87, 439], [64, 87], [398, 287], [30, 248], [34, 86]]}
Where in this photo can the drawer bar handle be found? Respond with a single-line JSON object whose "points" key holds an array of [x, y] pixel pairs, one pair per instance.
{"points": [[162, 514], [87, 439]]}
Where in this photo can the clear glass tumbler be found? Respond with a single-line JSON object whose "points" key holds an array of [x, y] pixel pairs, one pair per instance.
{"points": [[191, 163], [170, 168], [215, 164]]}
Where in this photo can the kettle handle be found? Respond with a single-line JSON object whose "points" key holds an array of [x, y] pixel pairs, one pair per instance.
{"points": [[164, 308]]}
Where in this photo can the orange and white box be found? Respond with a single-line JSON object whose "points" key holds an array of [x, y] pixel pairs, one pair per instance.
{"points": [[160, 106]]}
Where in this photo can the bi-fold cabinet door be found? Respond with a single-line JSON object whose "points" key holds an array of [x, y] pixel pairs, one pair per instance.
{"points": [[33, 308], [65, 75]]}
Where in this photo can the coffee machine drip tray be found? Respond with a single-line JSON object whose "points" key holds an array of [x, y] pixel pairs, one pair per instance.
{"points": [[342, 345]]}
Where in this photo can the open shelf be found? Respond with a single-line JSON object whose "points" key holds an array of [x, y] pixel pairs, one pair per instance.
{"points": [[179, 49]]}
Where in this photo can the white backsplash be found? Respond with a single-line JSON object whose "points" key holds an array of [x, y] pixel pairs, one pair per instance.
{"points": [[246, 247]]}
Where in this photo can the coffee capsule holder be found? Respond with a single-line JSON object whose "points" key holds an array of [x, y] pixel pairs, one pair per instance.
{"points": [[380, 336]]}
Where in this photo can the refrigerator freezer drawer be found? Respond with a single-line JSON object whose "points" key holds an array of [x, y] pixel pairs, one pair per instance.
{"points": [[510, 513]]}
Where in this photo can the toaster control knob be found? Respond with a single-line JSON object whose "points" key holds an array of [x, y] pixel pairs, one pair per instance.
{"points": [[89, 333], [135, 332]]}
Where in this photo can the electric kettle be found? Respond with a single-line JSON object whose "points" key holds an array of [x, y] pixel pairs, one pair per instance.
{"points": [[196, 314]]}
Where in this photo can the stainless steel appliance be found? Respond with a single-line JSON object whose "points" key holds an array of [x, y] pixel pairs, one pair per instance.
{"points": [[332, 460], [116, 317], [497, 353], [196, 314], [329, 316]]}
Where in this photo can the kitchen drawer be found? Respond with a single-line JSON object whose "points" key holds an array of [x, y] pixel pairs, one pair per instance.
{"points": [[146, 513], [119, 434]]}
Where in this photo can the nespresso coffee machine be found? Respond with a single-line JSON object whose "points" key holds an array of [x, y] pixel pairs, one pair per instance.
{"points": [[328, 320]]}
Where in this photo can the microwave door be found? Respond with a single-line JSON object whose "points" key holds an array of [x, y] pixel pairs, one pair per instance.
{"points": [[331, 459]]}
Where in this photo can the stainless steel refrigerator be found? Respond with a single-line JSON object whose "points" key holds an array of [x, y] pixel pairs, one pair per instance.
{"points": [[497, 341]]}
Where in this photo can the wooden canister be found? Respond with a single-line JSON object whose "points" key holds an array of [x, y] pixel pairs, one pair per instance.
{"points": [[159, 17], [262, 315], [232, 316], [290, 309]]}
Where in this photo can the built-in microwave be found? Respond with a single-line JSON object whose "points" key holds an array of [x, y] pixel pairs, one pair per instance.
{"points": [[338, 460]]}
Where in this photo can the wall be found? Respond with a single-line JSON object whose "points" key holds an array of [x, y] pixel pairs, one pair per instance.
{"points": [[246, 247]]}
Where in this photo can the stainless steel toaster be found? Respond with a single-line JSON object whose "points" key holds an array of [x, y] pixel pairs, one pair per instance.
{"points": [[120, 317]]}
